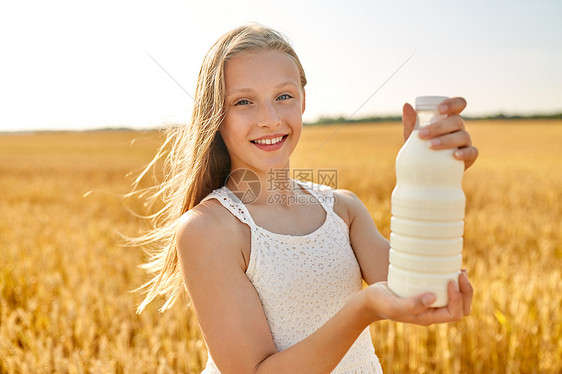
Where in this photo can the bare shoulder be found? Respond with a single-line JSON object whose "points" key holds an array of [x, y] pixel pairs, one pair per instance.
{"points": [[346, 204], [203, 220], [206, 229]]}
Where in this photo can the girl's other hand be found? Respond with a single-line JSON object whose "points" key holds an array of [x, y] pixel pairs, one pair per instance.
{"points": [[416, 309], [445, 134]]}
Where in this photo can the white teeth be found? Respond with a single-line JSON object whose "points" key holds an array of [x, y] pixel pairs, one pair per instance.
{"points": [[269, 141]]}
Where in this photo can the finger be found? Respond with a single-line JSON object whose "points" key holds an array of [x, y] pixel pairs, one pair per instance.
{"points": [[455, 305], [452, 106], [468, 155], [466, 290], [408, 120], [433, 315], [445, 126], [424, 301], [411, 307], [404, 309], [458, 139]]}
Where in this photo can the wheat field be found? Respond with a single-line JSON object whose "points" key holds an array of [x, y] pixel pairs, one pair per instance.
{"points": [[65, 277]]}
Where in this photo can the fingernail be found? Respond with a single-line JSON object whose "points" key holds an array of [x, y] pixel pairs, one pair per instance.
{"points": [[435, 142], [424, 133], [458, 153], [428, 299], [443, 108], [465, 275]]}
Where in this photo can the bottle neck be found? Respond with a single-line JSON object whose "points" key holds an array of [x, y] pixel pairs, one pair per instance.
{"points": [[427, 117]]}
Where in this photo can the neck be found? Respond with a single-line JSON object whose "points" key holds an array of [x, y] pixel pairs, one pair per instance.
{"points": [[259, 187]]}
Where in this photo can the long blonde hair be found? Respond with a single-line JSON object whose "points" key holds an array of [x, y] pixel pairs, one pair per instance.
{"points": [[197, 161]]}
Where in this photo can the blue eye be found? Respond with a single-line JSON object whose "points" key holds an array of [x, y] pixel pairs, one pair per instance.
{"points": [[242, 102], [287, 95]]}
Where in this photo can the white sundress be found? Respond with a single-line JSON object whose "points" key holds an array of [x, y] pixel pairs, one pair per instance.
{"points": [[303, 281]]}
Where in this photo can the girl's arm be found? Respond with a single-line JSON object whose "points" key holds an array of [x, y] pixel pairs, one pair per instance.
{"points": [[210, 246], [370, 247]]}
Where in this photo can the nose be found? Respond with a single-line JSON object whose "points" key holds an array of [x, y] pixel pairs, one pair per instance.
{"points": [[268, 116]]}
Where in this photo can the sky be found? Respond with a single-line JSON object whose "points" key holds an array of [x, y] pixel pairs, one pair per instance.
{"points": [[73, 65]]}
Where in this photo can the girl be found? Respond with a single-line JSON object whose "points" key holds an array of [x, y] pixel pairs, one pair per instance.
{"points": [[276, 285]]}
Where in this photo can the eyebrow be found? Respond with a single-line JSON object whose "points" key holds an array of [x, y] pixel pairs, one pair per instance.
{"points": [[282, 84]]}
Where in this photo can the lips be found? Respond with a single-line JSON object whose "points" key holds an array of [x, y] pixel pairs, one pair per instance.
{"points": [[275, 142], [270, 139]]}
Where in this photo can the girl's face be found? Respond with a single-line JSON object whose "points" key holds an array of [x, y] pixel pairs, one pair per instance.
{"points": [[264, 102]]}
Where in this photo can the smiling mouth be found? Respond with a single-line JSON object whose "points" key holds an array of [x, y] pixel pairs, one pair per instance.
{"points": [[269, 141]]}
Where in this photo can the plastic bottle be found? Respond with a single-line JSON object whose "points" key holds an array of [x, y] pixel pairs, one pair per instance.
{"points": [[428, 206]]}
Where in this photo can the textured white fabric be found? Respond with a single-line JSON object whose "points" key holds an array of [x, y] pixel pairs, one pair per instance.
{"points": [[303, 281]]}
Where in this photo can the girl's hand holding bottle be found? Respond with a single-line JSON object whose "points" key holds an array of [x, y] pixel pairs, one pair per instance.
{"points": [[380, 302], [445, 134]]}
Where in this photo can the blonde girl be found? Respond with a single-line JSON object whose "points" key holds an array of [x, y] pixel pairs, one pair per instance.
{"points": [[274, 266]]}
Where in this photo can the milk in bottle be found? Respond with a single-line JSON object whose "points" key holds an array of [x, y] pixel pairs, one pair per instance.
{"points": [[427, 213]]}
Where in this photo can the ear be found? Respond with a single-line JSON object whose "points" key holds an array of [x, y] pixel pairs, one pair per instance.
{"points": [[303, 100]]}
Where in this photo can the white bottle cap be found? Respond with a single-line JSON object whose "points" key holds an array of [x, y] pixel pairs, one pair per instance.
{"points": [[429, 102]]}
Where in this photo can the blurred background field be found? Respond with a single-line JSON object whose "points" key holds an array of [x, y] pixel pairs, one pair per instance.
{"points": [[65, 305]]}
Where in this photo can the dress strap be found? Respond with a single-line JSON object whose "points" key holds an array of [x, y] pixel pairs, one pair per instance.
{"points": [[234, 205], [323, 194]]}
